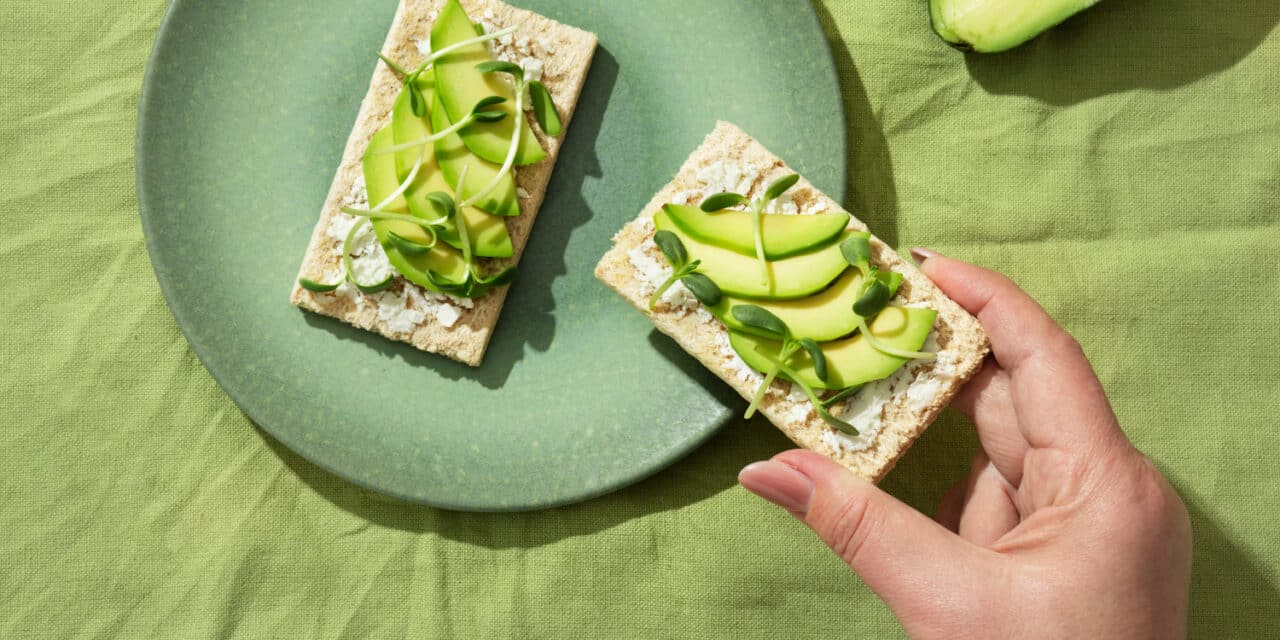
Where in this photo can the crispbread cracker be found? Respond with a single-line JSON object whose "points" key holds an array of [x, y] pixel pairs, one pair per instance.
{"points": [[921, 392], [566, 54]]}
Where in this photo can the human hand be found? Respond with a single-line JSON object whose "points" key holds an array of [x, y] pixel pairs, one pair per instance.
{"points": [[1062, 529]]}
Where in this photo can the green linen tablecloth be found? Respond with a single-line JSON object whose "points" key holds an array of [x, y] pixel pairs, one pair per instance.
{"points": [[1124, 169]]}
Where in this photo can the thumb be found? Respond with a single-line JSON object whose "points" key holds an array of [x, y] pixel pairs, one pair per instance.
{"points": [[919, 568]]}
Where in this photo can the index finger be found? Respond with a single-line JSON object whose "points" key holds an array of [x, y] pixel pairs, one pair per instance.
{"points": [[1056, 396]]}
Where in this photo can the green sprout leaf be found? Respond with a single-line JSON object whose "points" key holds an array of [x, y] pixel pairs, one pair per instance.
{"points": [[498, 279], [856, 251], [544, 109], [377, 286], [443, 204], [780, 186], [488, 101], [417, 103], [481, 112], [702, 288], [392, 64], [816, 355], [891, 279], [410, 247], [671, 247], [722, 201], [318, 287], [844, 393], [873, 299], [826, 416], [761, 319], [502, 66]]}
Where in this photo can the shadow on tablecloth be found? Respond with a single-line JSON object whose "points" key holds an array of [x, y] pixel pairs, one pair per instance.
{"points": [[1120, 46]]}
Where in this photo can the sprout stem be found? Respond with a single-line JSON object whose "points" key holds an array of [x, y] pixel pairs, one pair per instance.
{"points": [[890, 350], [453, 128], [511, 151], [436, 55], [413, 173], [788, 348], [757, 222], [818, 406], [676, 275]]}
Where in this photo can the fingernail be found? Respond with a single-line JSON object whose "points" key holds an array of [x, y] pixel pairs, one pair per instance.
{"points": [[921, 254], [779, 484]]}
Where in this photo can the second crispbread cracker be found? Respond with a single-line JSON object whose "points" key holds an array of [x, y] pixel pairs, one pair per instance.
{"points": [[902, 406], [405, 312]]}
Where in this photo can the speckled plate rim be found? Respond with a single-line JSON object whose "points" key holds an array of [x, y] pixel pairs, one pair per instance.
{"points": [[250, 408]]}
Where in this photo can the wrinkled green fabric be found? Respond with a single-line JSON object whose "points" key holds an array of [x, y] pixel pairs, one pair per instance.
{"points": [[1124, 169]]}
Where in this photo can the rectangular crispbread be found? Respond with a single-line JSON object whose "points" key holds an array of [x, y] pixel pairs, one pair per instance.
{"points": [[564, 54], [901, 406]]}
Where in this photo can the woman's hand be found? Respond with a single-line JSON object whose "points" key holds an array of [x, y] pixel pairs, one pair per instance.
{"points": [[1062, 529]]}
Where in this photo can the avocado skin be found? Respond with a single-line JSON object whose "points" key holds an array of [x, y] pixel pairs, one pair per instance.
{"points": [[737, 275], [783, 236], [973, 30], [460, 86]]}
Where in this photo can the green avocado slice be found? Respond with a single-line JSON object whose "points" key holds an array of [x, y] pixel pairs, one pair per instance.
{"points": [[824, 316], [489, 236], [852, 361], [488, 233], [461, 86], [407, 127], [783, 236], [380, 181], [996, 25], [737, 275], [453, 155]]}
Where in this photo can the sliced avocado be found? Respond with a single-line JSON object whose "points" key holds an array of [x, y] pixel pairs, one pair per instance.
{"points": [[851, 361], [488, 233], [824, 316], [489, 237], [380, 180], [461, 86], [738, 275], [996, 25], [453, 155], [783, 235], [380, 172], [408, 127]]}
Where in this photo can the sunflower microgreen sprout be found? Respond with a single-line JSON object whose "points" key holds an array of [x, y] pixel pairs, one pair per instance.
{"points": [[874, 297], [477, 114], [766, 323], [756, 207], [475, 282], [702, 287]]}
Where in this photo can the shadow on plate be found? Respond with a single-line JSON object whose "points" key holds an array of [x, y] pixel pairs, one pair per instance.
{"points": [[708, 471], [872, 196], [527, 320], [1118, 46]]}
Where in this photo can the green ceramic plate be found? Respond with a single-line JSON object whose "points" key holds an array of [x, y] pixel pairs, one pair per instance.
{"points": [[245, 111]]}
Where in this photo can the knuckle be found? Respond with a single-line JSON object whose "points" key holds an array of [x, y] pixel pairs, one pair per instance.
{"points": [[849, 528], [1066, 344], [1161, 501]]}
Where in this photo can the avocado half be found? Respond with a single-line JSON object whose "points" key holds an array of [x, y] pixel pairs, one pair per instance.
{"points": [[989, 26]]}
